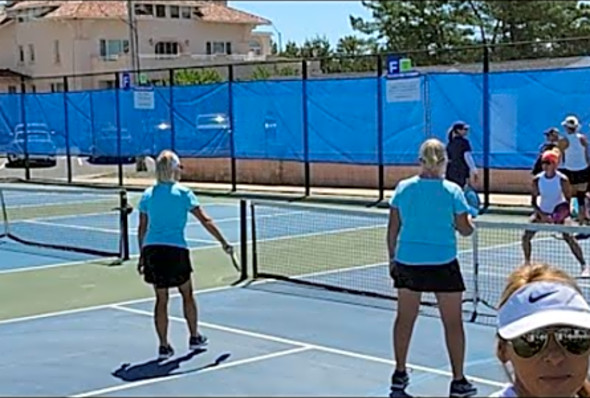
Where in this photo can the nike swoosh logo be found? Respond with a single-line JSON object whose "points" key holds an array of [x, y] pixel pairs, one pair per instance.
{"points": [[540, 297]]}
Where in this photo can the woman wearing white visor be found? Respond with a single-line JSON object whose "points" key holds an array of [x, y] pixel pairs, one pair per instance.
{"points": [[544, 334]]}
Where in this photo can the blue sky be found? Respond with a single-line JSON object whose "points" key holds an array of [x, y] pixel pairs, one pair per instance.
{"points": [[298, 20]]}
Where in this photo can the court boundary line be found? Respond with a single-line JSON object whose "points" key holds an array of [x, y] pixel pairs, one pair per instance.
{"points": [[317, 347], [85, 262], [231, 364], [173, 295]]}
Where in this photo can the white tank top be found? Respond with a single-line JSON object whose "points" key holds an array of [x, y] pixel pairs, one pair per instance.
{"points": [[575, 156], [550, 192]]}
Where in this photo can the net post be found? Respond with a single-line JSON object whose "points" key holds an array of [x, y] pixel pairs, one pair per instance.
{"points": [[475, 254], [124, 218], [244, 239], [254, 245]]}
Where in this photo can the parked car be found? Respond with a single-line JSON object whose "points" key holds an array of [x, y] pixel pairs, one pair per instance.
{"points": [[104, 147], [40, 146]]}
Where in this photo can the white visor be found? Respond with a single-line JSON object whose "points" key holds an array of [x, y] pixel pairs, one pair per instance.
{"points": [[542, 304]]}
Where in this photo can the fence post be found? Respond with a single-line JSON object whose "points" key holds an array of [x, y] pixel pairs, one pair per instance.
{"points": [[306, 168], [118, 121], [67, 130], [23, 114], [381, 168], [232, 127], [171, 102], [486, 126]]}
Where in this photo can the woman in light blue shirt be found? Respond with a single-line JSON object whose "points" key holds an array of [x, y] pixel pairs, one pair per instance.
{"points": [[165, 257], [425, 212]]}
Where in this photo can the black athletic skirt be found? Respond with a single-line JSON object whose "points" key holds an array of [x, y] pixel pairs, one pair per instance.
{"points": [[444, 278], [578, 176], [166, 266]]}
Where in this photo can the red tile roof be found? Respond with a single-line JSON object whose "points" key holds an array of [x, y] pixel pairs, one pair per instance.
{"points": [[96, 9]]}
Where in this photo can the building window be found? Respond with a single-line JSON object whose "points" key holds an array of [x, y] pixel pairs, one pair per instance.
{"points": [[111, 49], [186, 12], [144, 9], [31, 53], [161, 11], [21, 54], [167, 48], [255, 47], [218, 47], [11, 89], [174, 12], [56, 54]]}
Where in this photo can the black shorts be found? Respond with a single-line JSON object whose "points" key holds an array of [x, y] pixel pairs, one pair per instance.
{"points": [[577, 176], [166, 266], [444, 278]]}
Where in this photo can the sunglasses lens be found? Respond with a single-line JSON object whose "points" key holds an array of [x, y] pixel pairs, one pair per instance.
{"points": [[575, 341], [530, 344]]}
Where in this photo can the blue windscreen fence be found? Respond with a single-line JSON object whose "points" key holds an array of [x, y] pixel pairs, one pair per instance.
{"points": [[316, 120]]}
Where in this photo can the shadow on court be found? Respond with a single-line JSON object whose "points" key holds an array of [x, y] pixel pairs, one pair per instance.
{"points": [[155, 368]]}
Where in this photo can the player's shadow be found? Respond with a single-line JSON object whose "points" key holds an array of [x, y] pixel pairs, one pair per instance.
{"points": [[155, 368]]}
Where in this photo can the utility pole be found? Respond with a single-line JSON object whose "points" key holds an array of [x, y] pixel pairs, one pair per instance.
{"points": [[140, 164], [131, 23]]}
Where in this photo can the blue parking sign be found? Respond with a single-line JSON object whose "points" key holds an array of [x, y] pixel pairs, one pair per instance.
{"points": [[126, 81]]}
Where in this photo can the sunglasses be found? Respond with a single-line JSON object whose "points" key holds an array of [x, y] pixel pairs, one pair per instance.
{"points": [[576, 341], [546, 162]]}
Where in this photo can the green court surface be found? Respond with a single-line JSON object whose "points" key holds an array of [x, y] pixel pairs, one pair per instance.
{"points": [[35, 280]]}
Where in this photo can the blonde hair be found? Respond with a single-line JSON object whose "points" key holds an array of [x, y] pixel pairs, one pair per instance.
{"points": [[537, 273], [167, 167], [433, 155]]}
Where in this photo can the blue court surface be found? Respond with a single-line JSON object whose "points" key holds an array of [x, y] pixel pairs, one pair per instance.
{"points": [[261, 344], [266, 338]]}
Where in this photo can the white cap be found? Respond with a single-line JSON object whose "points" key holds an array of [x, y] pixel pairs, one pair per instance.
{"points": [[571, 121], [541, 304]]}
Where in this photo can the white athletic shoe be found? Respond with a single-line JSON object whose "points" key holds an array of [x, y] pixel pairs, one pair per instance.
{"points": [[585, 272]]}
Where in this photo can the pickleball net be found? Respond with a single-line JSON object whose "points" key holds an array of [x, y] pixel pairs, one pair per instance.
{"points": [[89, 221], [344, 250]]}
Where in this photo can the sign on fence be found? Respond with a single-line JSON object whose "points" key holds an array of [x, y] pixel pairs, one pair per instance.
{"points": [[143, 97], [125, 81], [403, 90], [397, 65]]}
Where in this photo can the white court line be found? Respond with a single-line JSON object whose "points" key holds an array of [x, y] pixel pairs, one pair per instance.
{"points": [[227, 365], [346, 353]]}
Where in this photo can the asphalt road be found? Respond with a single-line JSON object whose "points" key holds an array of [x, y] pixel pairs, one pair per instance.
{"points": [[80, 169]]}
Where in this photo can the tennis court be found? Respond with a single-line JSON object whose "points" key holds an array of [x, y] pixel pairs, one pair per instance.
{"points": [[273, 336]]}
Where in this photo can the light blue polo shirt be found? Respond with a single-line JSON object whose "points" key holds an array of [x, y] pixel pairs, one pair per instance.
{"points": [[427, 209], [167, 206]]}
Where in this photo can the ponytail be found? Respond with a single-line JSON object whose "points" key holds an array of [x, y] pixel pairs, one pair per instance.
{"points": [[450, 134]]}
